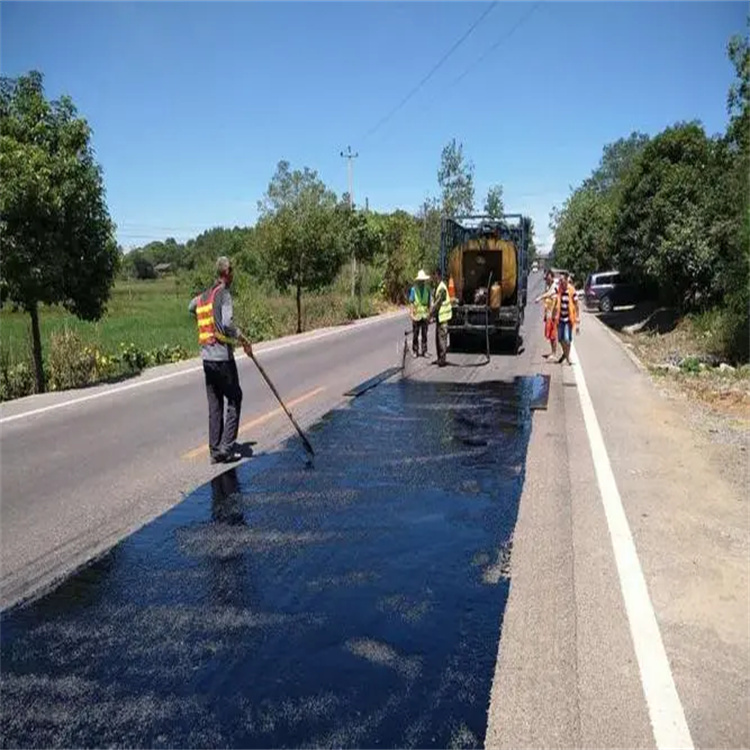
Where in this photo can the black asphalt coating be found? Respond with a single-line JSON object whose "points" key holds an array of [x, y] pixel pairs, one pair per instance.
{"points": [[355, 604]]}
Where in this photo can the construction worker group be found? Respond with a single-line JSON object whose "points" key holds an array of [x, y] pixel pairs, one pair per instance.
{"points": [[423, 306], [561, 314]]}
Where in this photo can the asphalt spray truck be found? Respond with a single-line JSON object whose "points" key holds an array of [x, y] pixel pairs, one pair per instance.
{"points": [[484, 261]]}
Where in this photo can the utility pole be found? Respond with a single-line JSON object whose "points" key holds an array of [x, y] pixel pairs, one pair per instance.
{"points": [[348, 155]]}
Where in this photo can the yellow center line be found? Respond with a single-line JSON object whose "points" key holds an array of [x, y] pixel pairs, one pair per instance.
{"points": [[245, 426]]}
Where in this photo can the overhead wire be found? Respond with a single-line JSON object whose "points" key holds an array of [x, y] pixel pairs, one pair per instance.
{"points": [[494, 46], [432, 71], [504, 38]]}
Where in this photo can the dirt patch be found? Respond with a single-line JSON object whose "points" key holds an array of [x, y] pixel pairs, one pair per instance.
{"points": [[682, 362]]}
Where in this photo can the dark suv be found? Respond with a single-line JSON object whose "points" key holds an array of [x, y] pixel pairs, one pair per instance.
{"points": [[608, 289]]}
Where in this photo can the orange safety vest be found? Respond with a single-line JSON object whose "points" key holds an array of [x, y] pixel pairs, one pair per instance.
{"points": [[571, 305], [208, 332]]}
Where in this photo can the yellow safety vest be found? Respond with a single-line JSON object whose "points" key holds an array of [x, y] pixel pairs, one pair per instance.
{"points": [[208, 332], [421, 305], [445, 312]]}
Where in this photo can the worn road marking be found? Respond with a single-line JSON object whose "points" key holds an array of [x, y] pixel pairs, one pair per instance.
{"points": [[664, 707], [188, 370], [203, 449]]}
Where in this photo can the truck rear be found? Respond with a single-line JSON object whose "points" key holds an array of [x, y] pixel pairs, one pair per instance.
{"points": [[485, 262]]}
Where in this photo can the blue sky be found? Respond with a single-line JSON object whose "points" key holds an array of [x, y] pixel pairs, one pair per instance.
{"points": [[193, 104]]}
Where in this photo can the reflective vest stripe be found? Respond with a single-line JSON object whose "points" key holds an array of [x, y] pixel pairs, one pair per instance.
{"points": [[421, 304], [571, 306], [445, 313], [208, 332]]}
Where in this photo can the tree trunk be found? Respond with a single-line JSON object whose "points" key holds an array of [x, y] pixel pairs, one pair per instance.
{"points": [[36, 345], [299, 309], [359, 292]]}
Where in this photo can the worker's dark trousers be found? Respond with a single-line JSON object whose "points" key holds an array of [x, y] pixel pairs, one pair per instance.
{"points": [[418, 326], [441, 341], [222, 382]]}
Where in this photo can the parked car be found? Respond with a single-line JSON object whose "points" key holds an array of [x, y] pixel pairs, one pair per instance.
{"points": [[606, 290]]}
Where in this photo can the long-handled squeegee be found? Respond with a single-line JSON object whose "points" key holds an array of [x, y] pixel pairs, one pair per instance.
{"points": [[305, 441]]}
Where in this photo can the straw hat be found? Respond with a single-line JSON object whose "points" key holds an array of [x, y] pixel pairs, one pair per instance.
{"points": [[422, 276]]}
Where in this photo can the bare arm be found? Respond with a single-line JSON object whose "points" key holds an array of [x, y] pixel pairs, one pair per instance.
{"points": [[227, 321]]}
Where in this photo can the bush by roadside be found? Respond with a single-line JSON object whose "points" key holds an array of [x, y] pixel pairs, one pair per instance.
{"points": [[691, 357], [71, 363]]}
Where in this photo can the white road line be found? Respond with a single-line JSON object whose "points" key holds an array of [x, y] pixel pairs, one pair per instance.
{"points": [[188, 370], [665, 710]]}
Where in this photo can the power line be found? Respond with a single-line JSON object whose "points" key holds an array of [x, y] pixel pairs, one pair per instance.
{"points": [[491, 49], [432, 71]]}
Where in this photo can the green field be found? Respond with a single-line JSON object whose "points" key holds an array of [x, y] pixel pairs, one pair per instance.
{"points": [[149, 315], [145, 313]]}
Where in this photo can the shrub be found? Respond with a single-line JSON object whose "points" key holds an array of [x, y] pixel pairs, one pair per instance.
{"points": [[16, 378], [353, 310], [133, 358], [166, 354], [71, 364]]}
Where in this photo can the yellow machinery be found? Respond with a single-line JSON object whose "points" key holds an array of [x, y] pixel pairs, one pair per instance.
{"points": [[485, 258]]}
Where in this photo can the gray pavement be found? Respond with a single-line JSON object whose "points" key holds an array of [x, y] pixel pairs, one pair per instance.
{"points": [[75, 478], [566, 672]]}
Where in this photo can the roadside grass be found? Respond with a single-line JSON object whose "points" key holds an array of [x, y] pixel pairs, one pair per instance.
{"points": [[147, 323], [147, 314]]}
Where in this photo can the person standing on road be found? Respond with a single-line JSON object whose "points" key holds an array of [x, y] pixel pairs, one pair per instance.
{"points": [[566, 315], [442, 311], [217, 335], [550, 329], [419, 300]]}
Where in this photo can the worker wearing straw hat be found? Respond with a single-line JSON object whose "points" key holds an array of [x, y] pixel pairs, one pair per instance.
{"points": [[419, 301]]}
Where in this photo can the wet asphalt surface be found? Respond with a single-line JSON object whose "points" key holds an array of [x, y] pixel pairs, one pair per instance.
{"points": [[356, 602]]}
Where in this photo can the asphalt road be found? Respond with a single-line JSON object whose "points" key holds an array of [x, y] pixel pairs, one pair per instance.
{"points": [[626, 622], [77, 477]]}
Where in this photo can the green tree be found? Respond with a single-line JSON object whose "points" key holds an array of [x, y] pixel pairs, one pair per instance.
{"points": [[363, 240], [428, 217], [583, 226], [493, 203], [456, 180], [729, 204], [401, 241], [57, 242], [617, 159], [661, 230], [300, 232]]}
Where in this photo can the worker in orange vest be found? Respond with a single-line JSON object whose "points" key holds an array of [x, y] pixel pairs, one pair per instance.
{"points": [[217, 336], [566, 315]]}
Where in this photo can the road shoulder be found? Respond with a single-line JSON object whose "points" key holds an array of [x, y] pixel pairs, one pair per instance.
{"points": [[690, 527]]}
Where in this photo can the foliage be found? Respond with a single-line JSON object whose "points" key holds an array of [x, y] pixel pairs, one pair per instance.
{"points": [[363, 240], [659, 232], [429, 233], [583, 226], [456, 180], [493, 203], [402, 255], [672, 211], [299, 229], [56, 237]]}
